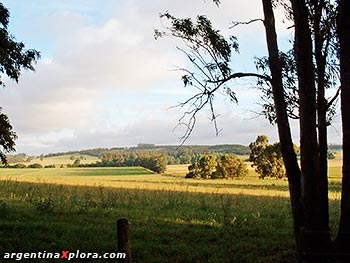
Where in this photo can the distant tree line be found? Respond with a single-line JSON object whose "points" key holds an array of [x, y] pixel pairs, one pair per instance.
{"points": [[153, 161], [33, 165], [175, 155]]}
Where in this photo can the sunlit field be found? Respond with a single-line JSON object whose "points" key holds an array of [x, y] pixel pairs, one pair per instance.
{"points": [[63, 160], [173, 179], [172, 219]]}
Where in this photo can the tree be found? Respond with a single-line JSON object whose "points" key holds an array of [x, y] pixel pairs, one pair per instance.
{"points": [[330, 155], [76, 162], [207, 165], [13, 58], [321, 43], [266, 158], [156, 163], [193, 171], [343, 30], [7, 137], [211, 166], [230, 166], [203, 168]]}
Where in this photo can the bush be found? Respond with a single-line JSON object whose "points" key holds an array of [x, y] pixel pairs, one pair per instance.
{"points": [[330, 155], [18, 165], [35, 165]]}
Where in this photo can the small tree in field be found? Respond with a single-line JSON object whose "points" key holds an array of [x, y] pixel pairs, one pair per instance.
{"points": [[266, 158], [193, 171], [211, 166], [203, 168], [230, 166], [207, 165]]}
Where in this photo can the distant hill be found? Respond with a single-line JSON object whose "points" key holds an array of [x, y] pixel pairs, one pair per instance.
{"points": [[335, 147], [237, 149]]}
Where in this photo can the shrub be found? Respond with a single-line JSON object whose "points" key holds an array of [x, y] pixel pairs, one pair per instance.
{"points": [[18, 165], [35, 165]]}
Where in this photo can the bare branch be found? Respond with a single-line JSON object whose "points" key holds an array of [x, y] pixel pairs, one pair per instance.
{"points": [[329, 104], [236, 23], [242, 75]]}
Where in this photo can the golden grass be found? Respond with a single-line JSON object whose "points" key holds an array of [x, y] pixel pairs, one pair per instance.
{"points": [[62, 160], [172, 180]]}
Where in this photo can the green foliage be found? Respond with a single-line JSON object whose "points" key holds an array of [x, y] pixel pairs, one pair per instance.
{"points": [[76, 162], [211, 166], [35, 165], [229, 166], [330, 155], [207, 165], [175, 155], [203, 168], [18, 165], [7, 135], [153, 161], [266, 158], [289, 78], [13, 58]]}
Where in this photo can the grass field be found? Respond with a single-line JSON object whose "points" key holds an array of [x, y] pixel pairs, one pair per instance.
{"points": [[172, 219], [62, 160]]}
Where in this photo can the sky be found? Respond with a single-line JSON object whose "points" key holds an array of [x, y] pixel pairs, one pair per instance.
{"points": [[104, 81]]}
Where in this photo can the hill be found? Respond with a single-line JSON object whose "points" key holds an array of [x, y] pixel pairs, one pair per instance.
{"points": [[171, 150]]}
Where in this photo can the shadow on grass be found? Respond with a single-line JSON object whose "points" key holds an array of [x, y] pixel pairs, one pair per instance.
{"points": [[165, 226], [333, 186]]}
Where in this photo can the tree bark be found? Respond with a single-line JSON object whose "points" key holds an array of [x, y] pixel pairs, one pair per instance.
{"points": [[308, 135], [344, 44], [322, 107], [316, 236], [287, 149]]}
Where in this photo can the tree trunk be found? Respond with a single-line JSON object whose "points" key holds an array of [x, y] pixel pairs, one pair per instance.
{"points": [[307, 109], [321, 60], [343, 238], [315, 238], [287, 149]]}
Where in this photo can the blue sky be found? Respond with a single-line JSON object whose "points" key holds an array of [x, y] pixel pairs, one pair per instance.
{"points": [[103, 81]]}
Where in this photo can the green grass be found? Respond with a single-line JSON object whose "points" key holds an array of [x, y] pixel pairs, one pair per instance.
{"points": [[166, 226], [52, 172]]}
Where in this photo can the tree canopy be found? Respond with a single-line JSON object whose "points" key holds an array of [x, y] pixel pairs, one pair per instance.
{"points": [[13, 59], [212, 166], [266, 158]]}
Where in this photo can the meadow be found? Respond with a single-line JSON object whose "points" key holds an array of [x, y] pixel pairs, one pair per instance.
{"points": [[172, 219]]}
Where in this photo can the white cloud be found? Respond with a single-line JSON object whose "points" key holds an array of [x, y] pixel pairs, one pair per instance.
{"points": [[104, 81]]}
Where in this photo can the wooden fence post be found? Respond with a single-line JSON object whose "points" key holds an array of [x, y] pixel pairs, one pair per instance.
{"points": [[123, 239]]}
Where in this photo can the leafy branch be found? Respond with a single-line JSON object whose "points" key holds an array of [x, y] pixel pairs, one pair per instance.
{"points": [[209, 54]]}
